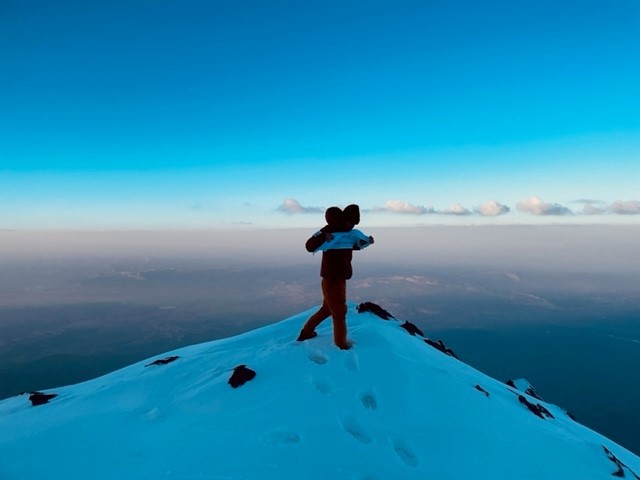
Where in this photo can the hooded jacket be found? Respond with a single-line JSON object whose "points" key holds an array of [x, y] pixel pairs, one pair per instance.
{"points": [[335, 263]]}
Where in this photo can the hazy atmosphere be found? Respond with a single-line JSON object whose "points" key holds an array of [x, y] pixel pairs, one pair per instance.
{"points": [[519, 301]]}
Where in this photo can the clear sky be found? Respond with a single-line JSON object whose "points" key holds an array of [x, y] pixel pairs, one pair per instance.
{"points": [[208, 114]]}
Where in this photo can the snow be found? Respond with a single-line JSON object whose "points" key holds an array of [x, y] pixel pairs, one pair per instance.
{"points": [[392, 407]]}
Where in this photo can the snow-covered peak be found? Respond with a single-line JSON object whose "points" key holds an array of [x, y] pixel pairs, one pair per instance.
{"points": [[392, 407]]}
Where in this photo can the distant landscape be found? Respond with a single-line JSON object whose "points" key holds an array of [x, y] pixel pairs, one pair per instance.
{"points": [[574, 333]]}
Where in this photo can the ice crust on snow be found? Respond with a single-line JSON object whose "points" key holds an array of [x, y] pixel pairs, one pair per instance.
{"points": [[391, 407]]}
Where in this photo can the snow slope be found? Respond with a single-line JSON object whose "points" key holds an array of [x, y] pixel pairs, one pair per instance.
{"points": [[392, 407]]}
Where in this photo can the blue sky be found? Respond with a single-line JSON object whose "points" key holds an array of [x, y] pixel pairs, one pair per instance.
{"points": [[157, 114]]}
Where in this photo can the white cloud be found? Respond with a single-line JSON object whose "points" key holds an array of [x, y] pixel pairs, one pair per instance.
{"points": [[396, 279], [291, 206], [456, 209], [489, 209], [631, 207], [533, 300], [492, 209], [512, 276], [591, 209], [397, 206], [591, 206], [598, 207], [535, 206], [589, 201], [203, 207]]}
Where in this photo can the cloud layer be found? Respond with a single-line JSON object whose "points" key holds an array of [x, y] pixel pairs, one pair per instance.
{"points": [[632, 207], [591, 209], [619, 207], [291, 206], [456, 209], [492, 209], [398, 206], [535, 206], [532, 206], [489, 209]]}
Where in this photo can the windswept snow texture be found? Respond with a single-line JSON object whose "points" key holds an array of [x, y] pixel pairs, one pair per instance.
{"points": [[392, 407]]}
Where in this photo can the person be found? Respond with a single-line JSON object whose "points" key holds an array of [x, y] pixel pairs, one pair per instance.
{"points": [[337, 240]]}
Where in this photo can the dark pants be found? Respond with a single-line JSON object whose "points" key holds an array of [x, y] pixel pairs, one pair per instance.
{"points": [[334, 304]]}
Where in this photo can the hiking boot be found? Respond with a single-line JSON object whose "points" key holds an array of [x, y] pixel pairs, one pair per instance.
{"points": [[306, 336], [346, 346]]}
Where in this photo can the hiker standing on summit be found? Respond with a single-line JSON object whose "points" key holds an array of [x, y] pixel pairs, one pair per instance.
{"points": [[337, 240]]}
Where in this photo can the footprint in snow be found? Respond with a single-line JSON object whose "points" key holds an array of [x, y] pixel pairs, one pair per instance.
{"points": [[352, 362], [405, 452], [322, 385], [369, 400], [357, 431], [365, 476], [318, 357], [153, 414], [282, 437]]}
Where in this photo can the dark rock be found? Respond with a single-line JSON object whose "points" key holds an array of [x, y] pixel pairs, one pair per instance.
{"points": [[621, 466], [39, 398], [412, 329], [524, 386], [439, 345], [532, 408], [571, 416], [435, 345], [451, 353], [479, 388], [535, 408], [542, 409], [241, 375], [163, 361], [375, 309], [532, 393]]}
